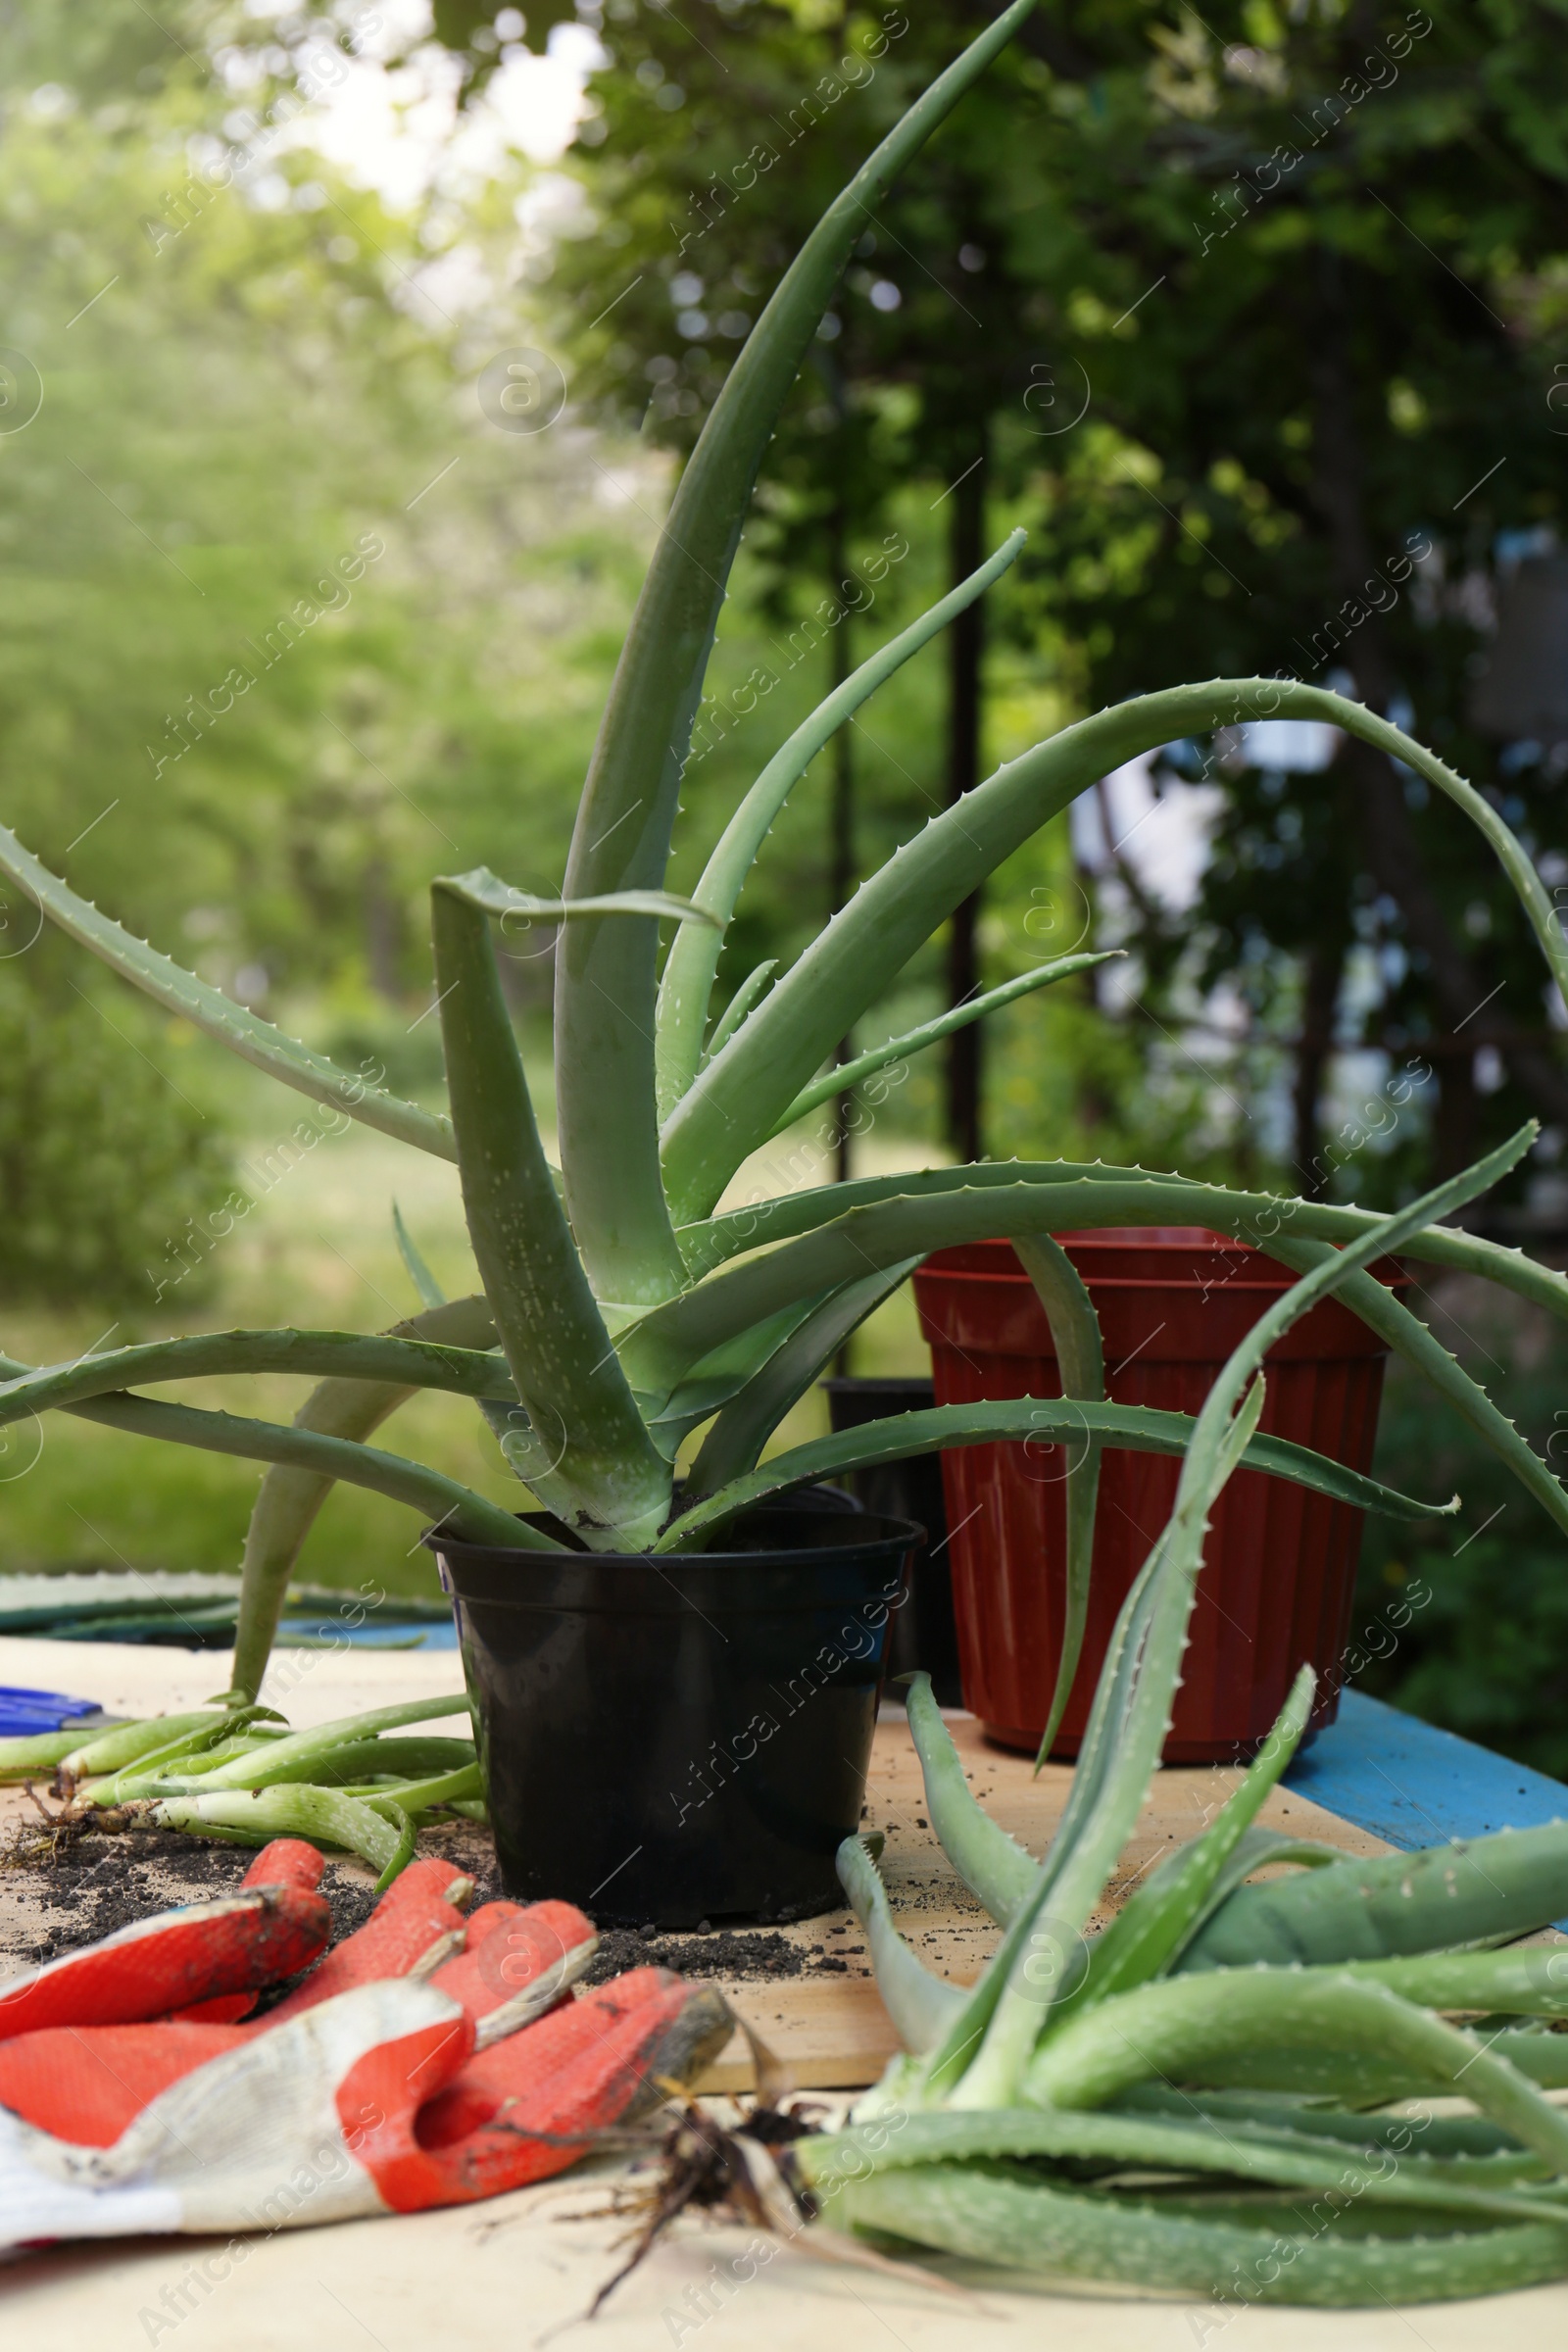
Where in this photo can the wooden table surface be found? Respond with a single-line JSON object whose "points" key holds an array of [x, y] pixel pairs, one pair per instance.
{"points": [[521, 2271]]}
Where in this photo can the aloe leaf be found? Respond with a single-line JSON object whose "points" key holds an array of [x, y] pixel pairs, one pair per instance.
{"points": [[327, 1457], [443, 1499], [1449, 2137], [1230, 2258], [1138, 2143], [325, 1816], [1541, 2057], [207, 1009], [124, 1743], [354, 1355], [185, 1749], [1354, 2076], [180, 1777], [1036, 1420], [690, 968], [899, 1048], [912, 1222], [1531, 1982], [1360, 1909], [416, 1797], [1080, 1363], [1255, 1849], [592, 1460], [605, 974], [290, 1499], [711, 1244], [745, 1425], [1158, 1917], [921, 2005], [291, 1759], [750, 990], [1092, 1194], [992, 1865], [1394, 1322], [729, 1111], [484, 891], [403, 1854], [836, 1241], [939, 1208], [428, 1290], [1174, 2030], [359, 1767], [32, 1755], [671, 1413], [374, 1757], [1127, 1724], [1131, 1710]]}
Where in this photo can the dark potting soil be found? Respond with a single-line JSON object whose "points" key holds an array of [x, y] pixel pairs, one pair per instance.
{"points": [[724, 1952], [86, 1887], [90, 1885]]}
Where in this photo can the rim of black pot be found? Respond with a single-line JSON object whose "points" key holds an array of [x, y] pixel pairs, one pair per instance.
{"points": [[768, 1570]]}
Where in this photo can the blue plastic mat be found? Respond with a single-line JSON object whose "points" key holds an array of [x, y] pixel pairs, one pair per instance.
{"points": [[329, 1633], [22, 1711]]}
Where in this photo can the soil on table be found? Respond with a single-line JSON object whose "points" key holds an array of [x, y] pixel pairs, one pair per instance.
{"points": [[59, 1890], [56, 1895]]}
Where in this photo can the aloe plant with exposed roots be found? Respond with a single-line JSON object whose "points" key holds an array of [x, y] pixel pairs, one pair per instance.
{"points": [[621, 1307]]}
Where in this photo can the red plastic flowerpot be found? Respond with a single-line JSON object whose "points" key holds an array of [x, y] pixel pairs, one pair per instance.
{"points": [[1280, 1563]]}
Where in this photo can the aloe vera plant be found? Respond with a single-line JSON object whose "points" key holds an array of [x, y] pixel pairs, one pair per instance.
{"points": [[1180, 2102], [619, 1307]]}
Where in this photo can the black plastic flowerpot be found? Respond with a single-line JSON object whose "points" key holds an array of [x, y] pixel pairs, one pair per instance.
{"points": [[681, 1739]]}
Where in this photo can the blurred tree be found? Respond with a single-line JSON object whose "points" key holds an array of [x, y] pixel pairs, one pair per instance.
{"points": [[273, 588], [105, 1161], [1470, 1628], [286, 624]]}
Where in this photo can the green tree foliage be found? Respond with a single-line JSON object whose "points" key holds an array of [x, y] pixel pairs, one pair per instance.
{"points": [[1428, 1632], [284, 619]]}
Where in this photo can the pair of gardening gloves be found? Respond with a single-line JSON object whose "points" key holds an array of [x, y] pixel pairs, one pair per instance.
{"points": [[425, 2060]]}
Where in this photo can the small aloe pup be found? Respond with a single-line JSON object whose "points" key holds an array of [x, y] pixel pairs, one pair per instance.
{"points": [[619, 1311], [1181, 2104]]}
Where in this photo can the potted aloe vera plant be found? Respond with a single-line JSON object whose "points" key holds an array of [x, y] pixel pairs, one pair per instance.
{"points": [[675, 1682]]}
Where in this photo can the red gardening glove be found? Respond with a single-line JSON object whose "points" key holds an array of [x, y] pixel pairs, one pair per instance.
{"points": [[264, 1931], [286, 1862], [85, 2082], [374, 2101], [528, 2106]]}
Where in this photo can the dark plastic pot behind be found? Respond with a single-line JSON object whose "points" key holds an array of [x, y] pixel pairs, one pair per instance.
{"points": [[1279, 1573], [682, 1739], [922, 1634]]}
